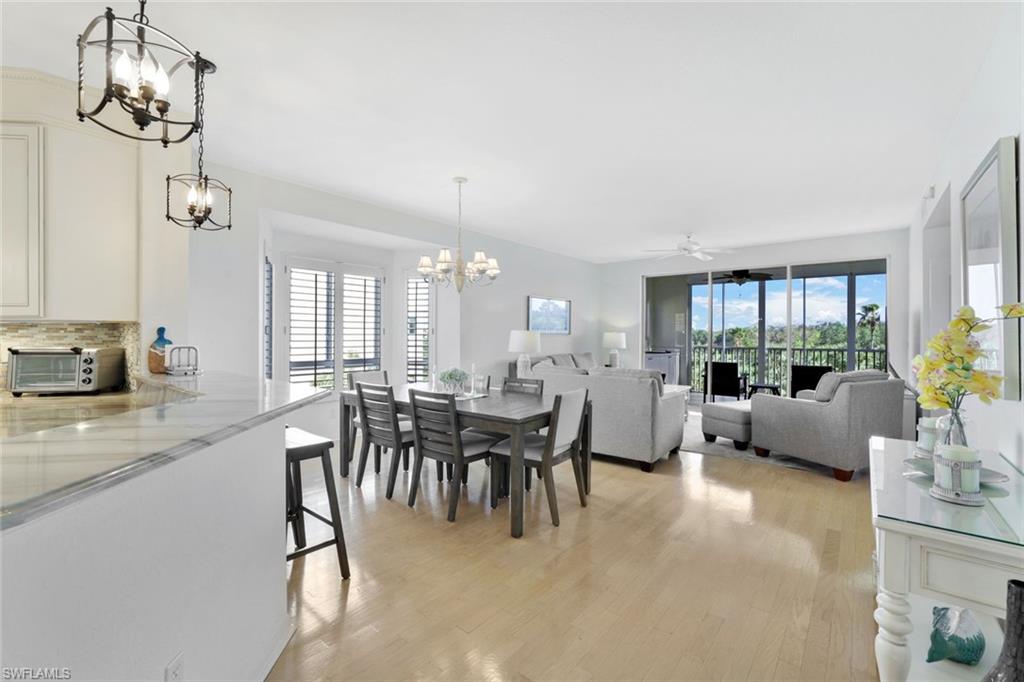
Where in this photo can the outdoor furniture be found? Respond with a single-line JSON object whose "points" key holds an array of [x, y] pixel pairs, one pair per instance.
{"points": [[728, 420], [834, 428], [438, 435], [562, 443], [383, 429], [806, 377], [299, 446], [774, 389], [512, 414], [726, 380]]}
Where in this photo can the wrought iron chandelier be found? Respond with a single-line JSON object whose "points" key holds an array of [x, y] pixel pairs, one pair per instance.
{"points": [[140, 63], [200, 187], [481, 270]]}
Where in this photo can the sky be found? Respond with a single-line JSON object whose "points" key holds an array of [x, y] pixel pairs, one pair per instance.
{"points": [[826, 301]]}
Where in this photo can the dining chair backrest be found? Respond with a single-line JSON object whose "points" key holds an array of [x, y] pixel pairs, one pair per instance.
{"points": [[435, 425], [379, 414], [370, 376], [527, 386], [567, 419]]}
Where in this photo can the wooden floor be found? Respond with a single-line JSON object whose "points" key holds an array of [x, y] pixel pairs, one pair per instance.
{"points": [[706, 569]]}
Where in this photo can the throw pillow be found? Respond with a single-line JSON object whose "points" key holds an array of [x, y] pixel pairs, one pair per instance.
{"points": [[584, 360], [563, 360]]}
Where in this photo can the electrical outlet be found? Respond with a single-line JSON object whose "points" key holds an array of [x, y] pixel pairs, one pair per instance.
{"points": [[175, 670]]}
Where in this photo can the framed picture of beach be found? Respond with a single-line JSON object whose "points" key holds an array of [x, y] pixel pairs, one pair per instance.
{"points": [[548, 315], [990, 258]]}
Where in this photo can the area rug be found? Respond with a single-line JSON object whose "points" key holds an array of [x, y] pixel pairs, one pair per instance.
{"points": [[693, 441]]}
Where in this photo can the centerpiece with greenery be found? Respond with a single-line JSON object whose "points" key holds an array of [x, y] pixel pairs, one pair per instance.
{"points": [[453, 380], [947, 372]]}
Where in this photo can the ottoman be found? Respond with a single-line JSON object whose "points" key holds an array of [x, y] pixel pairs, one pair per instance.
{"points": [[728, 420]]}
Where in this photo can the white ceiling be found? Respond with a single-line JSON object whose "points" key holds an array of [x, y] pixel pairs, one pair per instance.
{"points": [[596, 130]]}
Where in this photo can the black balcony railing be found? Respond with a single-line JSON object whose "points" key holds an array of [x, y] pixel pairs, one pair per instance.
{"points": [[776, 369]]}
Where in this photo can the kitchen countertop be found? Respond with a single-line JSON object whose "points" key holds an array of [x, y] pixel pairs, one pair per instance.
{"points": [[44, 470]]}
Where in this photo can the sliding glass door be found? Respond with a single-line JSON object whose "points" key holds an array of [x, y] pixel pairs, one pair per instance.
{"points": [[740, 321]]}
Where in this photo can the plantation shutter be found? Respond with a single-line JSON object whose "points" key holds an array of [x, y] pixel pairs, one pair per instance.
{"points": [[361, 323], [311, 332], [417, 339], [268, 319]]}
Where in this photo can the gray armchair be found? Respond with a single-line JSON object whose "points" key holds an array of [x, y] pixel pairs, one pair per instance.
{"points": [[833, 427]]}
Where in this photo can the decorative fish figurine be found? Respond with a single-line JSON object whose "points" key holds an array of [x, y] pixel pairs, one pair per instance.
{"points": [[956, 636]]}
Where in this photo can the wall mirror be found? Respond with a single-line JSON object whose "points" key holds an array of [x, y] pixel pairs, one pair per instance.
{"points": [[990, 257]]}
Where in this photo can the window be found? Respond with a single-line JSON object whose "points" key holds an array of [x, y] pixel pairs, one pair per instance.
{"points": [[417, 336], [268, 319], [361, 323], [311, 331]]}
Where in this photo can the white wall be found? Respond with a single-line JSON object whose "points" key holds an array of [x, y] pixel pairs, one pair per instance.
{"points": [[226, 275], [992, 108], [621, 283]]}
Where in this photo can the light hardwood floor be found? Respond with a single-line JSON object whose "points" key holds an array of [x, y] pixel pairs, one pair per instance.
{"points": [[708, 568]]}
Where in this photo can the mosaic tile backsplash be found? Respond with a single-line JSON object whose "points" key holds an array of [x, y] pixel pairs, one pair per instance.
{"points": [[67, 334]]}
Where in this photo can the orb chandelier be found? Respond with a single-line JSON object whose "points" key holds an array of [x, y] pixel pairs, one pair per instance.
{"points": [[199, 188], [140, 62], [481, 270]]}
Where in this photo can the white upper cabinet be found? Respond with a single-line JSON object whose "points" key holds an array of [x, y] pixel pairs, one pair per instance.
{"points": [[81, 183], [21, 221]]}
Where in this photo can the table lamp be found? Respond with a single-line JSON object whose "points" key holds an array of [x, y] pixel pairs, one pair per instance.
{"points": [[524, 343], [614, 341]]}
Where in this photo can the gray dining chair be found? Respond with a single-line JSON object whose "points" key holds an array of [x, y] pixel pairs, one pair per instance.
{"points": [[527, 386], [465, 472], [377, 377], [562, 443], [438, 435], [382, 429]]}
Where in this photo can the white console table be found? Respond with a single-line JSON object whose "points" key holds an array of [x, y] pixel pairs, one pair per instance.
{"points": [[942, 553]]}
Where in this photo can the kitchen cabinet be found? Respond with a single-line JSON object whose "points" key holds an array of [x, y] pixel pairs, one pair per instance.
{"points": [[78, 185], [21, 224]]}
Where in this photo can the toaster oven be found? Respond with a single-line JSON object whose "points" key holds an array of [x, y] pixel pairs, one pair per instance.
{"points": [[64, 370]]}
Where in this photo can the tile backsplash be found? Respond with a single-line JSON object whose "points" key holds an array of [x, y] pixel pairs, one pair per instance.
{"points": [[67, 334]]}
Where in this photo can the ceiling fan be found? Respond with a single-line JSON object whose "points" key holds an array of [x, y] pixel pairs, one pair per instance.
{"points": [[691, 248], [743, 276]]}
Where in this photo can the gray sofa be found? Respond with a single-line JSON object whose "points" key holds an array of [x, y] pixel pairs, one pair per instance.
{"points": [[636, 417], [832, 424]]}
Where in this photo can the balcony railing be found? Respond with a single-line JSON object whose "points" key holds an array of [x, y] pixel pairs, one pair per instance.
{"points": [[776, 370]]}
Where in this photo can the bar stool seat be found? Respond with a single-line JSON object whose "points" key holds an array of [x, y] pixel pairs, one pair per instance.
{"points": [[302, 445]]}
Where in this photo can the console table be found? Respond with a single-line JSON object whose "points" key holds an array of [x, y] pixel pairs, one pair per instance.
{"points": [[933, 552]]}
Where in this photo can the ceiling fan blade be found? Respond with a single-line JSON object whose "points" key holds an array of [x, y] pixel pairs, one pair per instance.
{"points": [[661, 250], [701, 255], [669, 255], [717, 250]]}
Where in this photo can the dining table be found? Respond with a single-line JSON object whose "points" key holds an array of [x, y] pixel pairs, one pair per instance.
{"points": [[497, 411]]}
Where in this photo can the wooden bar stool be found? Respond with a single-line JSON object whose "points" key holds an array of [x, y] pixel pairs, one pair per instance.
{"points": [[301, 445]]}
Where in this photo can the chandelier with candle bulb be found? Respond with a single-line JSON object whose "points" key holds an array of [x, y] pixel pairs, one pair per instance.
{"points": [[447, 270], [139, 63], [199, 188]]}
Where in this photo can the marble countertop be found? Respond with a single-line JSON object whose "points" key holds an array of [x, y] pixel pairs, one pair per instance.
{"points": [[45, 470]]}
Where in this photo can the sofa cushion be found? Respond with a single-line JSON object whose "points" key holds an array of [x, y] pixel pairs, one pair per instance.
{"points": [[554, 369], [563, 360], [632, 373], [584, 360], [546, 362], [829, 383]]}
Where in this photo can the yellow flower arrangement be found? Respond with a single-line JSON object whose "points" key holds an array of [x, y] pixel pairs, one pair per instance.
{"points": [[946, 372]]}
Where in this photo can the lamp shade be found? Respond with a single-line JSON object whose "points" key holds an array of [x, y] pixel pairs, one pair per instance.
{"points": [[520, 341], [616, 340]]}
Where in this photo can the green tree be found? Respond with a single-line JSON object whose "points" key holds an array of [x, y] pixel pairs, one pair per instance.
{"points": [[869, 318]]}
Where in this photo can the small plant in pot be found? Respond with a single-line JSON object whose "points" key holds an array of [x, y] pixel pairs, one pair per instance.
{"points": [[453, 380]]}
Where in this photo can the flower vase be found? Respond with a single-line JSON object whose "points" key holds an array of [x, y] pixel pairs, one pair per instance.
{"points": [[952, 428], [1010, 665]]}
